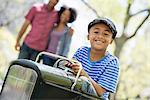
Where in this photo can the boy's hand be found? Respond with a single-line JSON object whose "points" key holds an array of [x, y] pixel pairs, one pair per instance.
{"points": [[75, 67]]}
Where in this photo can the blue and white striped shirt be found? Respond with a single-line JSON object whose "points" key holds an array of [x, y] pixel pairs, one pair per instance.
{"points": [[104, 72]]}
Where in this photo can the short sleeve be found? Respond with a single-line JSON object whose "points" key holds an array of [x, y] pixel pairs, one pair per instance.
{"points": [[30, 15], [109, 78], [79, 53]]}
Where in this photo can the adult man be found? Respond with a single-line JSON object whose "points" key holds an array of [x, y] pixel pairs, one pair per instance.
{"points": [[41, 17]]}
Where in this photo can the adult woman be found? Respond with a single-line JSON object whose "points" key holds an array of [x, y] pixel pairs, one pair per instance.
{"points": [[60, 36]]}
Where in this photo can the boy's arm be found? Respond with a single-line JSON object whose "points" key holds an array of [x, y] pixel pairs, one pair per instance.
{"points": [[97, 87], [22, 31]]}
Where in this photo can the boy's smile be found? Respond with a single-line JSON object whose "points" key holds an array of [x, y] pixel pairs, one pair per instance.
{"points": [[100, 36]]}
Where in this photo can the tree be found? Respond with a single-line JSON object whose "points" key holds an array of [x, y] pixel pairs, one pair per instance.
{"points": [[120, 42]]}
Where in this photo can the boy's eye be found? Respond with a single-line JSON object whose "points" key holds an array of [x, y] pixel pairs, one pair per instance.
{"points": [[96, 32], [106, 34]]}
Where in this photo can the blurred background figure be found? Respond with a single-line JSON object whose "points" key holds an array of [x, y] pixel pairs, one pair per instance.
{"points": [[61, 35], [41, 17]]}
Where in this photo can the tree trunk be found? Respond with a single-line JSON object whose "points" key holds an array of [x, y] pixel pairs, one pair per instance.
{"points": [[119, 46]]}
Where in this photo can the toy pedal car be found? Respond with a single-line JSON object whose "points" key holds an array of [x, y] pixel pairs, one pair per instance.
{"points": [[29, 80]]}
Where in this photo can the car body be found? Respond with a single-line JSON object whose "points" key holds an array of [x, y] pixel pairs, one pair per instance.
{"points": [[30, 80]]}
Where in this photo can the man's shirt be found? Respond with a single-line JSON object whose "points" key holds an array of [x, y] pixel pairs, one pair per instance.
{"points": [[42, 22]]}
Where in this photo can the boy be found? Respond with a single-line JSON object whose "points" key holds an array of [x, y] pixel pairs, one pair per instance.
{"points": [[99, 66]]}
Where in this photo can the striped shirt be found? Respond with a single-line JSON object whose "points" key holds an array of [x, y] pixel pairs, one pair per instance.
{"points": [[104, 72]]}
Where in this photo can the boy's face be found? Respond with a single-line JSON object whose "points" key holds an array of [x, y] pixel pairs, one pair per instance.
{"points": [[100, 36]]}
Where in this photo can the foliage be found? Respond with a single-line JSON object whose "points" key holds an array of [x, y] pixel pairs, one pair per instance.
{"points": [[135, 68], [108, 8]]}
